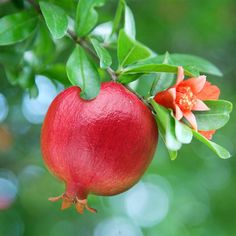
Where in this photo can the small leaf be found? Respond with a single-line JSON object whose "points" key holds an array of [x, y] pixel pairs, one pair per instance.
{"points": [[127, 78], [118, 16], [86, 16], [129, 50], [17, 27], [167, 124], [201, 64], [173, 154], [183, 132], [162, 80], [152, 68], [103, 32], [81, 72], [43, 49], [216, 117], [129, 26], [191, 63], [220, 151], [171, 140], [56, 19], [103, 54]]}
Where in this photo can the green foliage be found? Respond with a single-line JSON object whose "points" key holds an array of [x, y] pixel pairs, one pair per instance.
{"points": [[189, 62], [86, 16], [129, 25], [183, 132], [56, 19], [167, 126], [83, 73], [74, 26], [174, 133], [216, 117], [129, 50], [17, 27], [199, 63], [220, 151], [102, 53], [28, 48]]}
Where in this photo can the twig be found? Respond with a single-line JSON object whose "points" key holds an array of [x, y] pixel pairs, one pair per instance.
{"points": [[85, 44], [81, 41], [140, 97]]}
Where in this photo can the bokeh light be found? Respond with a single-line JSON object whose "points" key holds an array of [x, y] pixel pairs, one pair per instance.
{"points": [[117, 226], [8, 189], [147, 204], [3, 108], [34, 109]]}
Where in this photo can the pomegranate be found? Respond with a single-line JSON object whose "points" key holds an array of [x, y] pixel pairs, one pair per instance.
{"points": [[101, 146]]}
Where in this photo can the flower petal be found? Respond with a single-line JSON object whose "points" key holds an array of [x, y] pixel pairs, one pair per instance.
{"points": [[191, 119], [178, 113], [200, 106], [166, 98], [196, 84], [180, 76], [209, 92], [207, 134]]}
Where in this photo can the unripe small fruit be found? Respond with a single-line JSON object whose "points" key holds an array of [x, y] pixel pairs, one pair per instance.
{"points": [[101, 146]]}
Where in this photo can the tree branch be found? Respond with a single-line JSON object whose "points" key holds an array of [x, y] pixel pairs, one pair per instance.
{"points": [[85, 44], [81, 41]]}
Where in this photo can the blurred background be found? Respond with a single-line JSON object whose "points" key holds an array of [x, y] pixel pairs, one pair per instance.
{"points": [[194, 195]]}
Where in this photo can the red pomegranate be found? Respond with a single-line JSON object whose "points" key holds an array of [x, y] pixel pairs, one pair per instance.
{"points": [[101, 146]]}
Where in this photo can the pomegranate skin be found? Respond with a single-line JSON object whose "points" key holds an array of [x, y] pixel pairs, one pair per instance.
{"points": [[101, 146]]}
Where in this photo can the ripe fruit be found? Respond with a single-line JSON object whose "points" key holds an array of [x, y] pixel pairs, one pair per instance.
{"points": [[101, 146]]}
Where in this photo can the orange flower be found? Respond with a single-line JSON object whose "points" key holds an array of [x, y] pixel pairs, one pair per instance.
{"points": [[187, 96]]}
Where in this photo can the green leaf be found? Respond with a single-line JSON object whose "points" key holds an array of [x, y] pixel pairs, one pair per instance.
{"points": [[167, 124], [172, 142], [103, 54], [201, 64], [129, 26], [192, 64], [151, 68], [56, 72], [220, 151], [173, 154], [129, 50], [17, 27], [44, 50], [56, 19], [183, 133], [86, 16], [81, 72], [117, 18], [216, 117], [127, 78], [162, 80]]}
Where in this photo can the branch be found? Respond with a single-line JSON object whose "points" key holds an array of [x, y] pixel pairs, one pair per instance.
{"points": [[81, 41], [85, 44]]}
